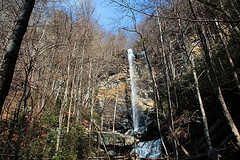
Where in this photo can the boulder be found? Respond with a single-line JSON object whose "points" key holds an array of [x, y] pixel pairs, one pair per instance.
{"points": [[111, 139]]}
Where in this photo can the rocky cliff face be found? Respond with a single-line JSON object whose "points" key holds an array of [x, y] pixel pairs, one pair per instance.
{"points": [[116, 91]]}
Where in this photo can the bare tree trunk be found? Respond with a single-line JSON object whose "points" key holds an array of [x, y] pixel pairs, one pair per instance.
{"points": [[204, 117], [215, 80], [101, 114], [79, 101], [70, 106], [89, 82], [191, 59], [26, 96], [72, 90], [11, 56], [92, 122], [153, 78], [89, 101], [225, 13], [64, 103], [215, 47], [236, 79], [171, 125], [104, 146], [173, 74], [160, 133], [156, 93]]}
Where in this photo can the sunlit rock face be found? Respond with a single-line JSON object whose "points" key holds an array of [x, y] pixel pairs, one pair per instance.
{"points": [[117, 139], [115, 89], [120, 84], [130, 91], [145, 93]]}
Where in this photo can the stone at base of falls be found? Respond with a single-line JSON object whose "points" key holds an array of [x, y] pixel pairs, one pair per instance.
{"points": [[149, 149], [139, 132], [117, 139]]}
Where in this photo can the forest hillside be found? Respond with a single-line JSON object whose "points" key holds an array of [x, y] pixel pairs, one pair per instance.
{"points": [[165, 86]]}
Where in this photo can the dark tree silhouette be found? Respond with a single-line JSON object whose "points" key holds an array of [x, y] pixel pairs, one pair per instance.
{"points": [[10, 58]]}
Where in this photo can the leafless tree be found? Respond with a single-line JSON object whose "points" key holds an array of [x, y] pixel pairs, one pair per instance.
{"points": [[11, 55]]}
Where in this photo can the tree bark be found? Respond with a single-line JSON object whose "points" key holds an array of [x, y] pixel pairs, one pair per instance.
{"points": [[80, 92], [233, 70], [167, 82], [70, 106], [65, 102], [204, 117], [192, 63], [11, 56], [224, 12], [215, 80], [26, 95], [72, 89]]}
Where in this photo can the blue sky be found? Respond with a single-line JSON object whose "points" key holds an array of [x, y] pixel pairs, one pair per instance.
{"points": [[110, 16], [106, 13]]}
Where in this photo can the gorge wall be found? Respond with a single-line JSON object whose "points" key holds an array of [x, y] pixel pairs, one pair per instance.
{"points": [[116, 91]]}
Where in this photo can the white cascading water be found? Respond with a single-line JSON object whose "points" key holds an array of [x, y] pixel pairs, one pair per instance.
{"points": [[149, 149], [134, 90], [140, 120]]}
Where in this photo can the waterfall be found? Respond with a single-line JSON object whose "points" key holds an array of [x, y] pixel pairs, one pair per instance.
{"points": [[134, 90], [140, 120], [148, 149]]}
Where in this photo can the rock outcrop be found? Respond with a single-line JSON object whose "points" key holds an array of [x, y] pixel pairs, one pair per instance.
{"points": [[117, 88], [111, 139], [114, 97]]}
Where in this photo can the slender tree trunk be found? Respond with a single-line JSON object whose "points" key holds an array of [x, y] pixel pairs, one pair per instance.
{"points": [[91, 116], [215, 47], [204, 117], [11, 56], [103, 142], [153, 78], [173, 75], [191, 59], [224, 12], [70, 107], [156, 93], [26, 96], [89, 82], [171, 125], [160, 132], [72, 90], [64, 103], [89, 101], [79, 101], [233, 70], [215, 80], [101, 114]]}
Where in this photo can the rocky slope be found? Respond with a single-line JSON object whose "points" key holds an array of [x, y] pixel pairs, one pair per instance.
{"points": [[116, 91]]}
